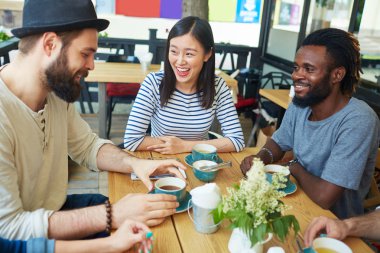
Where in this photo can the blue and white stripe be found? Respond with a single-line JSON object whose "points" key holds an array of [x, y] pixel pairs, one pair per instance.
{"points": [[183, 116]]}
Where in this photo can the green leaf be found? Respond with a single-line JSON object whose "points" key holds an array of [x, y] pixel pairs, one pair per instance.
{"points": [[4, 36], [218, 213], [282, 225], [279, 228]]}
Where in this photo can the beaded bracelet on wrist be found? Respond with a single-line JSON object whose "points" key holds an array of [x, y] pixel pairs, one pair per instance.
{"points": [[269, 152], [109, 216]]}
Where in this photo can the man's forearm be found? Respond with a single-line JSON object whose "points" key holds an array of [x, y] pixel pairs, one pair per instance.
{"points": [[112, 158], [324, 193], [367, 226], [78, 223]]}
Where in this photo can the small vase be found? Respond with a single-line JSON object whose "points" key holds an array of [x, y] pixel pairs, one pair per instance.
{"points": [[240, 243]]}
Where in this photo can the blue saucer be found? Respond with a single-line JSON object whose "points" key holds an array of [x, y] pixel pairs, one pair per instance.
{"points": [[290, 188], [183, 205], [189, 160], [309, 250]]}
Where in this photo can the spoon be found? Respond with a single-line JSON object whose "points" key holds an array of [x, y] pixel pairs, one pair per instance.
{"points": [[215, 167]]}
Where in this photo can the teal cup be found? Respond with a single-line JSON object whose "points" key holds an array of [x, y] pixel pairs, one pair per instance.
{"points": [[171, 185], [204, 152], [205, 176]]}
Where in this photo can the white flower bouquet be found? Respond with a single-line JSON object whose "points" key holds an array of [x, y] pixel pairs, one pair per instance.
{"points": [[255, 207]]}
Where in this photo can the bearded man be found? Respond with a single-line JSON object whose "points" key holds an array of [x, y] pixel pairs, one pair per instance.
{"points": [[334, 137], [40, 128]]}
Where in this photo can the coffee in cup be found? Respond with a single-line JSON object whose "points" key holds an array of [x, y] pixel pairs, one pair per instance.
{"points": [[330, 245], [171, 185], [204, 152]]}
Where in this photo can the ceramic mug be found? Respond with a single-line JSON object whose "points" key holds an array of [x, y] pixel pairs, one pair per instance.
{"points": [[171, 185], [240, 242], [204, 152], [330, 245], [205, 176], [276, 168]]}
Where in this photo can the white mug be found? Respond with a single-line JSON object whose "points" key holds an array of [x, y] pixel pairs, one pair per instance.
{"points": [[330, 243]]}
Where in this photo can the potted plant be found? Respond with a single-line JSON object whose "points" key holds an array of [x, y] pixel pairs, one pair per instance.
{"points": [[255, 210]]}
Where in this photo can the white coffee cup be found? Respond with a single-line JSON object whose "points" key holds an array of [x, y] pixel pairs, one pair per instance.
{"points": [[276, 168], [331, 244]]}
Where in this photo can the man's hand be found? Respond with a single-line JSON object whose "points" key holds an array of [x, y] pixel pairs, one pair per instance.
{"points": [[144, 168], [150, 209], [246, 164], [170, 145], [332, 227]]}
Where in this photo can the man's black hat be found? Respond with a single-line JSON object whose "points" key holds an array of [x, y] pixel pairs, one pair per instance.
{"points": [[41, 16]]}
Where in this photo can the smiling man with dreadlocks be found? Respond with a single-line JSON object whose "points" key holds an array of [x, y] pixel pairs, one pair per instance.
{"points": [[334, 137]]}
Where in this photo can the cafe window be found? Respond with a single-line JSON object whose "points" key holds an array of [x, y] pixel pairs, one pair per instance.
{"points": [[285, 20], [292, 20], [329, 13], [368, 34], [367, 30]]}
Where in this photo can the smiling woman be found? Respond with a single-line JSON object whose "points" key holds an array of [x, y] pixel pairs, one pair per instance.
{"points": [[181, 102]]}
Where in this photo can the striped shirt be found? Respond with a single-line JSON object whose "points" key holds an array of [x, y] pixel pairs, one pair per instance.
{"points": [[183, 115]]}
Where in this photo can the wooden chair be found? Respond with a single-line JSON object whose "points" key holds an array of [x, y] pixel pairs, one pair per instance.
{"points": [[118, 92], [267, 112], [373, 198]]}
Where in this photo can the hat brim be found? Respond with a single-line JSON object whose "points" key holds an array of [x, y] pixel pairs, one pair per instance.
{"points": [[98, 24]]}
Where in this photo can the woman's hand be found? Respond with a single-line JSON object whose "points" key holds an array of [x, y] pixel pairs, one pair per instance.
{"points": [[130, 233], [171, 145]]}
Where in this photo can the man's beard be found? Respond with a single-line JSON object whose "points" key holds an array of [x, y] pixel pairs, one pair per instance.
{"points": [[61, 81], [318, 92]]}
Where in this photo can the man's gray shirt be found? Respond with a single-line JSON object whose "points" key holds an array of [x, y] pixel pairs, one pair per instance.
{"points": [[340, 149]]}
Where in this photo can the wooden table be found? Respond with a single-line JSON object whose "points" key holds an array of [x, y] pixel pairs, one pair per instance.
{"points": [[112, 72], [177, 233], [279, 97]]}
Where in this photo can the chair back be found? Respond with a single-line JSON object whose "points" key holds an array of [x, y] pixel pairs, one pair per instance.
{"points": [[278, 80], [248, 82], [267, 112], [123, 58]]}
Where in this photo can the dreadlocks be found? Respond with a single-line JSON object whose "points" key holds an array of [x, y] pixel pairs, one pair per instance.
{"points": [[344, 50]]}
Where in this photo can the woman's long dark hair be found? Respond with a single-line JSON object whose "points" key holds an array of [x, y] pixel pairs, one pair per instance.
{"points": [[201, 30]]}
